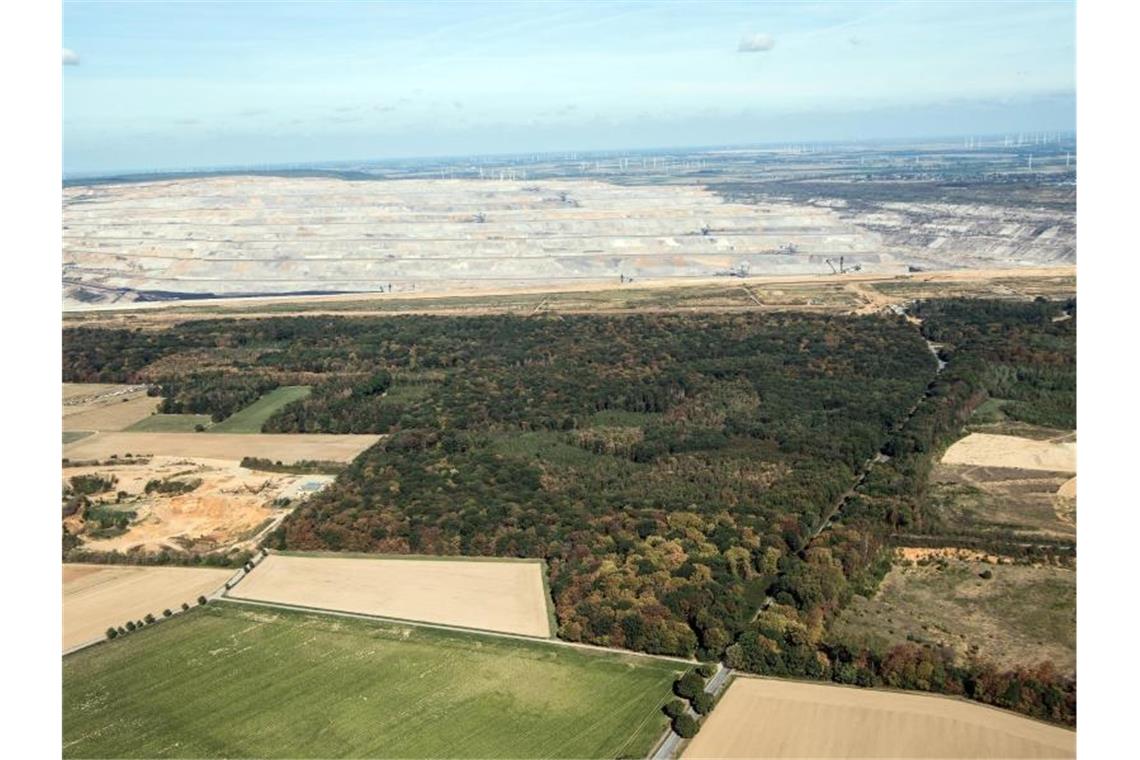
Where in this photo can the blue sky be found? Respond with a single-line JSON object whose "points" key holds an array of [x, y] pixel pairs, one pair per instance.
{"points": [[176, 85]]}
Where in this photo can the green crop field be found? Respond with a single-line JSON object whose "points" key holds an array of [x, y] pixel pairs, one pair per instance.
{"points": [[250, 419], [171, 423], [239, 681]]}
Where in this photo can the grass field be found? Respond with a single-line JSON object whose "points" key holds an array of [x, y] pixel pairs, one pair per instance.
{"points": [[171, 423], [235, 681], [251, 418], [71, 436], [1020, 616]]}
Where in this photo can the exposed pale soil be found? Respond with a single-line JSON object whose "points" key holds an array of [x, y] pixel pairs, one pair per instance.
{"points": [[276, 447], [1013, 452], [490, 595], [770, 718], [98, 596]]}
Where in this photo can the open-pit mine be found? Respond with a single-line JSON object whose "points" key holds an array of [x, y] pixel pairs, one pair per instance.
{"points": [[292, 234]]}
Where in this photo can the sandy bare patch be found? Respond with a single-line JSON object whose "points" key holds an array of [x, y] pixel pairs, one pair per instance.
{"points": [[1009, 451], [230, 507], [98, 596], [489, 595], [769, 718], [917, 553], [1068, 489], [285, 447], [101, 406]]}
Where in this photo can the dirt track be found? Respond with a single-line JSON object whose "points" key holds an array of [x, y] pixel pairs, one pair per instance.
{"points": [[98, 596], [286, 447], [488, 595], [786, 719]]}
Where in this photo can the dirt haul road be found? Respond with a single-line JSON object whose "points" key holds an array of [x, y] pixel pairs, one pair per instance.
{"points": [[98, 596], [772, 718], [502, 596]]}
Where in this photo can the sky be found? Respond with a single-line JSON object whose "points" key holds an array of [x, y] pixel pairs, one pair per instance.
{"points": [[152, 86]]}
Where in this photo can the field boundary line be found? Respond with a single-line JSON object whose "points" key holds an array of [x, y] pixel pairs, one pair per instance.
{"points": [[458, 629], [409, 557]]}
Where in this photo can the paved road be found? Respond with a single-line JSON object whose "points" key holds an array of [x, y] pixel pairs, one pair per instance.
{"points": [[667, 749]]}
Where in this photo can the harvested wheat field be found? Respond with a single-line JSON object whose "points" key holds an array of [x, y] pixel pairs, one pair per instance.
{"points": [[100, 406], [224, 506], [285, 447], [96, 597], [506, 596], [771, 718], [988, 450]]}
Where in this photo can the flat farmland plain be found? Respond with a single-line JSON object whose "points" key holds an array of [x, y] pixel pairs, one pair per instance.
{"points": [[282, 447], [228, 680], [96, 597], [101, 406], [506, 596], [772, 718]]}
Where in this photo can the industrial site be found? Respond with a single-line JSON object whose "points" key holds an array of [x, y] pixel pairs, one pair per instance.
{"points": [[477, 226]]}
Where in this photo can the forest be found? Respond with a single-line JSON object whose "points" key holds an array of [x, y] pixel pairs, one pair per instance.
{"points": [[709, 485]]}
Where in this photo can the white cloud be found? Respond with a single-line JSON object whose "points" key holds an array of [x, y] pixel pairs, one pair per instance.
{"points": [[70, 57], [756, 43]]}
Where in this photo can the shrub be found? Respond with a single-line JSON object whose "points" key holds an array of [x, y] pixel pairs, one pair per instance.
{"points": [[986, 574], [122, 631], [674, 708], [689, 685], [131, 625], [185, 606], [703, 703], [149, 618], [167, 612], [686, 726], [707, 670], [112, 633], [201, 600]]}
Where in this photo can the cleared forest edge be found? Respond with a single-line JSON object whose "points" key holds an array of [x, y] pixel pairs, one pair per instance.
{"points": [[506, 596], [772, 718]]}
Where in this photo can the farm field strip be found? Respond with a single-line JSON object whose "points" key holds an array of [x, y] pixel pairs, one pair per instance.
{"points": [[104, 407], [171, 423], [98, 596], [508, 596], [251, 418], [773, 718], [286, 447], [238, 681]]}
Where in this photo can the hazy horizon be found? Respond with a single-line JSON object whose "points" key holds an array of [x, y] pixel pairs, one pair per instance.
{"points": [[160, 87]]}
